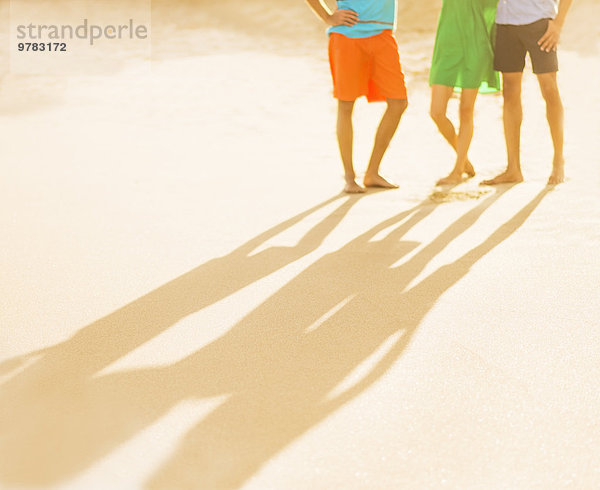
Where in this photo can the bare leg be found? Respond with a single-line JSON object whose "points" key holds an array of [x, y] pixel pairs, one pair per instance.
{"points": [[440, 95], [385, 132], [345, 136], [464, 137], [555, 116], [513, 117]]}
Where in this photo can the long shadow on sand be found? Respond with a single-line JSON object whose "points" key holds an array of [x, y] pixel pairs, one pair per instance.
{"points": [[278, 367]]}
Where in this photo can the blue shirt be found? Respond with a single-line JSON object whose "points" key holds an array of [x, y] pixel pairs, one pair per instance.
{"points": [[522, 12], [374, 17]]}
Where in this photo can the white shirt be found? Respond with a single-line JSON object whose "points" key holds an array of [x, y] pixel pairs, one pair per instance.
{"points": [[522, 12]]}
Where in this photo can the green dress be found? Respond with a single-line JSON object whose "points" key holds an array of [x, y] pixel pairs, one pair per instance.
{"points": [[463, 56]]}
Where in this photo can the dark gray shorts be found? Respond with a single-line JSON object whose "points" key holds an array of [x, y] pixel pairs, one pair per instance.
{"points": [[514, 42]]}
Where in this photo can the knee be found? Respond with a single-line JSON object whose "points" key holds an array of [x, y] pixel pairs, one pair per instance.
{"points": [[438, 115], [550, 93], [511, 91], [345, 108], [466, 112], [511, 95], [512, 100], [397, 106]]}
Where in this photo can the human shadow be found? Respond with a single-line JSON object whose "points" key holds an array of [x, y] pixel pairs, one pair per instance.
{"points": [[191, 292], [33, 377], [280, 368], [283, 367]]}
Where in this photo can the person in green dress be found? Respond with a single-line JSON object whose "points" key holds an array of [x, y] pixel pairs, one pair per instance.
{"points": [[463, 58]]}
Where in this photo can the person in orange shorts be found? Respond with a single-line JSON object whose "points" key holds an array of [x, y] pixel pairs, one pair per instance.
{"points": [[364, 60]]}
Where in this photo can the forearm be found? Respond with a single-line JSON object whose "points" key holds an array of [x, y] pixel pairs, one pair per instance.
{"points": [[320, 8], [563, 8]]}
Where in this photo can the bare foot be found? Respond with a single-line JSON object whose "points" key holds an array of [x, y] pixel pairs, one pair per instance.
{"points": [[452, 179], [508, 177], [352, 187], [469, 170], [558, 173], [378, 181]]}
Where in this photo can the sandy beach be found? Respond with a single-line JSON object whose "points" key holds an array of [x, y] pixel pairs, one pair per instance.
{"points": [[189, 302]]}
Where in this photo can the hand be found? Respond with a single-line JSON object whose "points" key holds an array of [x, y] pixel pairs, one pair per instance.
{"points": [[549, 41], [343, 18]]}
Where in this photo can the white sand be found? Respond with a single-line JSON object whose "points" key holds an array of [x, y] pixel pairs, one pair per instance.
{"points": [[188, 301]]}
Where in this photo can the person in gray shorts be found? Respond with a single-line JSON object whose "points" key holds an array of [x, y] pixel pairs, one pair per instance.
{"points": [[534, 27]]}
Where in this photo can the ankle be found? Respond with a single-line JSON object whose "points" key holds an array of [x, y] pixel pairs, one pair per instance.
{"points": [[370, 174], [459, 167]]}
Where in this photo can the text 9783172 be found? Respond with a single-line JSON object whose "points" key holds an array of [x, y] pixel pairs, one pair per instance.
{"points": [[36, 47]]}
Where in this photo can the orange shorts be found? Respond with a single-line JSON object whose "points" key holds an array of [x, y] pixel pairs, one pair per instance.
{"points": [[366, 66]]}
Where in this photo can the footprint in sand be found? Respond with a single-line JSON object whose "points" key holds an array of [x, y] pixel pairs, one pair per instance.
{"points": [[452, 196]]}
